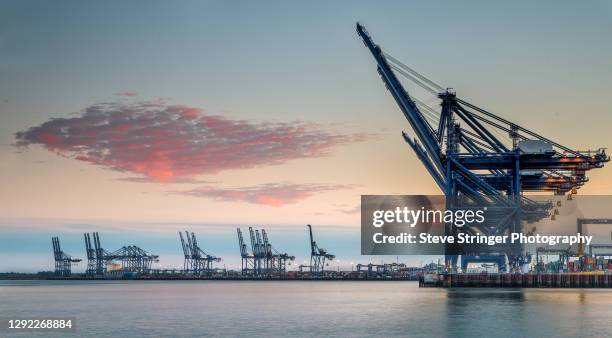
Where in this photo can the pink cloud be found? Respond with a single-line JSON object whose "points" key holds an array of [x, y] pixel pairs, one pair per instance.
{"points": [[128, 94], [164, 143], [180, 180], [272, 194]]}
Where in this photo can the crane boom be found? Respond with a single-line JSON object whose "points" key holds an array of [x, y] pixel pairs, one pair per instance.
{"points": [[462, 150], [406, 104]]}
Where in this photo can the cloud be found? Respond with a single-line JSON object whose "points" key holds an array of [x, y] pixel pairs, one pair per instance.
{"points": [[164, 142], [128, 94], [271, 194], [181, 180]]}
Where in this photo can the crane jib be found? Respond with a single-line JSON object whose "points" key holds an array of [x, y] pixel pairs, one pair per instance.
{"points": [[407, 105]]}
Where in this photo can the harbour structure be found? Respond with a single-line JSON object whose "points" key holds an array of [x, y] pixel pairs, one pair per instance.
{"points": [[509, 280], [133, 259], [197, 261], [92, 261], [598, 258], [581, 229], [63, 261], [127, 259], [96, 263], [563, 254], [247, 261], [319, 257], [263, 259], [460, 145], [382, 270]]}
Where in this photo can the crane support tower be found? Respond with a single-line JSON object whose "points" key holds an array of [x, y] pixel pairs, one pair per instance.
{"points": [[197, 261], [459, 144], [318, 256], [63, 261], [263, 259], [126, 259], [247, 258]]}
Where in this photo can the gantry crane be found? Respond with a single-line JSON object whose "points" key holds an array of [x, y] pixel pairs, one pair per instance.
{"points": [[197, 261], [318, 256], [460, 146], [247, 259], [264, 259], [96, 263], [131, 258], [91, 256], [63, 261]]}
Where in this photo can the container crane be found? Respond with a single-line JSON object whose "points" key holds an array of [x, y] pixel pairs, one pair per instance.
{"points": [[63, 261], [247, 259], [460, 147], [264, 259], [318, 256], [91, 256], [131, 257], [197, 261]]}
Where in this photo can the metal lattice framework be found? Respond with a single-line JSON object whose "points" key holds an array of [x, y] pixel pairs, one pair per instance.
{"points": [[460, 146], [131, 258], [263, 259], [63, 261], [197, 261], [318, 256]]}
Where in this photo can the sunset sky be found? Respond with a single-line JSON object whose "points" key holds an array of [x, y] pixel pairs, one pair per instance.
{"points": [[140, 118]]}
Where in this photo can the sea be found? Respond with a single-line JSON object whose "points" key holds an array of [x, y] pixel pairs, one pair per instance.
{"points": [[134, 308]]}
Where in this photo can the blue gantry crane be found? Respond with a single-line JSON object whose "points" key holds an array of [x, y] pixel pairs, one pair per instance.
{"points": [[460, 146], [247, 258], [263, 259], [197, 261], [130, 258], [318, 256], [63, 261]]}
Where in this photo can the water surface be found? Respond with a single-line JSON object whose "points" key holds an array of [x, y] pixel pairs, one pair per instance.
{"points": [[302, 308]]}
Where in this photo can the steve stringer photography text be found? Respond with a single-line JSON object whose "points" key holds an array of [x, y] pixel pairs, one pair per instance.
{"points": [[459, 218]]}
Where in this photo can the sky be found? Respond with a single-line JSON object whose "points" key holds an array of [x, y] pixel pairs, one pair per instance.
{"points": [[141, 118]]}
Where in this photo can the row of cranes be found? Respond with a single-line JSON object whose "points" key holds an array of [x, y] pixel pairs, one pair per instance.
{"points": [[197, 261], [260, 259], [101, 262], [126, 259], [479, 159], [263, 259]]}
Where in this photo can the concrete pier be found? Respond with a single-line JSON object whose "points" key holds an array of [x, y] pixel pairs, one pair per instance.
{"points": [[560, 280]]}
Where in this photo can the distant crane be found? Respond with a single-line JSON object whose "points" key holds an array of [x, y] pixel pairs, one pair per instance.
{"points": [[318, 256], [63, 261], [276, 262], [131, 258], [475, 167], [263, 259], [91, 257], [247, 259], [100, 254], [197, 261]]}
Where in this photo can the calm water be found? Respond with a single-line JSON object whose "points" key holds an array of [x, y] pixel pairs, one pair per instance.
{"points": [[274, 309]]}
